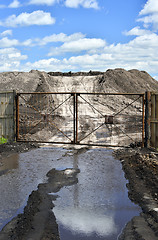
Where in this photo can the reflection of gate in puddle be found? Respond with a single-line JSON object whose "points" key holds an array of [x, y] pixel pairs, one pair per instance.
{"points": [[108, 119], [9, 163], [91, 209]]}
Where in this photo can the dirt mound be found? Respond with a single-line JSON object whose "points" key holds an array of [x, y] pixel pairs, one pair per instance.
{"points": [[132, 81], [45, 101], [116, 80]]}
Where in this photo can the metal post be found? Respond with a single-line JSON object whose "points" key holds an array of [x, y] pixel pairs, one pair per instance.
{"points": [[17, 117], [76, 118], [152, 121], [143, 118], [14, 114], [156, 118], [147, 119]]}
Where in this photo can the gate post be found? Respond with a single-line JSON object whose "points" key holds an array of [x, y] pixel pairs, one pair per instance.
{"points": [[17, 116], [147, 119], [74, 118]]}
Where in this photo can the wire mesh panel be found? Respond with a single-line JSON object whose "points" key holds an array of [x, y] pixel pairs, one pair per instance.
{"points": [[81, 118], [45, 117], [110, 119], [154, 121], [7, 108]]}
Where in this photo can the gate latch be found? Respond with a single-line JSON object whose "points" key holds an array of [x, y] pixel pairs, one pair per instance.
{"points": [[109, 119]]}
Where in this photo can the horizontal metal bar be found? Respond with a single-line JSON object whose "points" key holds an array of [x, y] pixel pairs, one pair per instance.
{"points": [[3, 117], [85, 93], [6, 92], [95, 93], [26, 93], [82, 144], [154, 121]]}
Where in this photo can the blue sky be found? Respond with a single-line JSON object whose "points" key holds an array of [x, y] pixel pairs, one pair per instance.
{"points": [[79, 35]]}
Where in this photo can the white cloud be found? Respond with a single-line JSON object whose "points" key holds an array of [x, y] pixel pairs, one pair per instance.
{"points": [[26, 19], [27, 43], [151, 11], [139, 53], [83, 3], [79, 45], [43, 2], [14, 4], [150, 20], [151, 6], [10, 59], [137, 31], [50, 64], [5, 33], [5, 42], [61, 37]]}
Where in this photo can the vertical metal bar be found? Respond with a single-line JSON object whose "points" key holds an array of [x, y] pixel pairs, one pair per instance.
{"points": [[143, 118], [156, 118], [14, 115], [76, 118], [17, 117], [147, 119], [153, 125]]}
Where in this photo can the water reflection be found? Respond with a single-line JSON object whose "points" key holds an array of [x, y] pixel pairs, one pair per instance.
{"points": [[9, 163], [20, 175], [98, 206], [86, 221]]}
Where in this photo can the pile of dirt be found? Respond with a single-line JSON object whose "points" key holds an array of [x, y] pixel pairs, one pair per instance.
{"points": [[141, 170], [113, 80], [45, 101], [132, 81]]}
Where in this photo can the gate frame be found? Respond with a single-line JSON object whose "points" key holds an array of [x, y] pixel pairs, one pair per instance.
{"points": [[9, 115], [75, 115], [151, 120]]}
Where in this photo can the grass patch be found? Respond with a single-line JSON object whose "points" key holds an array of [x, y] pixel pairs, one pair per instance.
{"points": [[3, 140]]}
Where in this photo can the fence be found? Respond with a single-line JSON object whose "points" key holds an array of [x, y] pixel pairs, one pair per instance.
{"points": [[154, 121], [107, 119], [72, 130], [7, 115]]}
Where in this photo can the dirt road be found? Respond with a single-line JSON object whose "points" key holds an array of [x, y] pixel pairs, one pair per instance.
{"points": [[38, 220]]}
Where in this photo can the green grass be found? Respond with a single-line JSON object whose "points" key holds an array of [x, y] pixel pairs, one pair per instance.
{"points": [[3, 140]]}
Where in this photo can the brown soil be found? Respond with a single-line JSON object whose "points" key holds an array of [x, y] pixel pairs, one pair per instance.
{"points": [[141, 170], [15, 147], [113, 80], [38, 221]]}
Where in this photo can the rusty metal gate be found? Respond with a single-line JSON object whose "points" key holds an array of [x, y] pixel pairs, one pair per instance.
{"points": [[7, 110], [107, 119], [154, 121]]}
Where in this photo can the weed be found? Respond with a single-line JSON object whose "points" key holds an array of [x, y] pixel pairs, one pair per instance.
{"points": [[3, 140]]}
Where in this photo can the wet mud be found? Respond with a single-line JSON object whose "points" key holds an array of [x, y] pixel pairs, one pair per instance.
{"points": [[38, 220], [141, 170]]}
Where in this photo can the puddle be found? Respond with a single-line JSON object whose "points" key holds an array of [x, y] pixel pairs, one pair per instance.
{"points": [[20, 175], [9, 163], [97, 207]]}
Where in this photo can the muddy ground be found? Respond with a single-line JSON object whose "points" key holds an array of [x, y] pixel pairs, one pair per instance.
{"points": [[141, 170], [38, 221]]}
